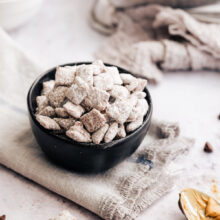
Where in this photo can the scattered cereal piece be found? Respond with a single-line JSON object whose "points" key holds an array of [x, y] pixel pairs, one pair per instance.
{"points": [[97, 98], [47, 111], [111, 133], [78, 133], [85, 72], [42, 102], [113, 71], [74, 110], [57, 96], [65, 76], [47, 122], [121, 109], [134, 125], [78, 91], [121, 131], [98, 136], [47, 87], [141, 85], [64, 215], [93, 120], [103, 81], [61, 112], [139, 110], [119, 92], [65, 123], [139, 95]]}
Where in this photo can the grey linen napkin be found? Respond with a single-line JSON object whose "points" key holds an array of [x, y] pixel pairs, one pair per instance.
{"points": [[149, 38], [120, 193]]}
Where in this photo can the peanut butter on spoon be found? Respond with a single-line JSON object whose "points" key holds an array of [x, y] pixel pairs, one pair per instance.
{"points": [[196, 205]]}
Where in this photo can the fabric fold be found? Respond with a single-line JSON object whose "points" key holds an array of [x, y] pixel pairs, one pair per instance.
{"points": [[149, 39], [122, 192]]}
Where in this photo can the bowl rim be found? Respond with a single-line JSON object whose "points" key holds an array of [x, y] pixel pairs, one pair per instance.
{"points": [[101, 146]]}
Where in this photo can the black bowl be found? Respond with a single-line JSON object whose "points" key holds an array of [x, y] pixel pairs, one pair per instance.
{"points": [[83, 157]]}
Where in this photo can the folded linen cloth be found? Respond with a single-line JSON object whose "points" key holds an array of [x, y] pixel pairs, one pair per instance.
{"points": [[148, 38], [120, 193]]}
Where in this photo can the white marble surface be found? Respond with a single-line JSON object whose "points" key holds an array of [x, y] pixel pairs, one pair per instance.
{"points": [[60, 33]]}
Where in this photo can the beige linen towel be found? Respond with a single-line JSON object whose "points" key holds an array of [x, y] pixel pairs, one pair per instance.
{"points": [[149, 38], [120, 193]]}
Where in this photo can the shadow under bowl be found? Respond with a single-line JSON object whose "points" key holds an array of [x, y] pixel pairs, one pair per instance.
{"points": [[83, 157]]}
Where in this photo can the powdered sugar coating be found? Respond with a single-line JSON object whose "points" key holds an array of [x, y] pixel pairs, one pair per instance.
{"points": [[98, 136], [57, 96], [61, 112], [78, 91], [42, 102], [118, 91], [47, 111], [47, 87], [121, 109], [111, 133], [103, 81], [65, 123], [47, 122], [134, 124], [97, 99], [78, 133], [92, 103], [74, 110], [65, 76], [93, 120]]}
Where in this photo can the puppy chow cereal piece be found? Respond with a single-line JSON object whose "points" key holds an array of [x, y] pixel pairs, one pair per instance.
{"points": [[111, 133], [139, 110], [127, 78], [139, 95], [85, 72], [47, 122], [93, 120], [141, 85], [99, 67], [98, 136], [61, 112], [113, 71], [65, 76], [74, 110], [131, 87], [134, 124], [57, 96], [130, 81], [65, 123], [78, 91], [121, 109], [47, 111], [119, 92], [64, 215], [42, 102], [121, 131], [47, 87], [97, 98], [103, 81], [78, 133]]}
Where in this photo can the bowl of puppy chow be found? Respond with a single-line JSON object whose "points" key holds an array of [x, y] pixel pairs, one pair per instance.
{"points": [[89, 116]]}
